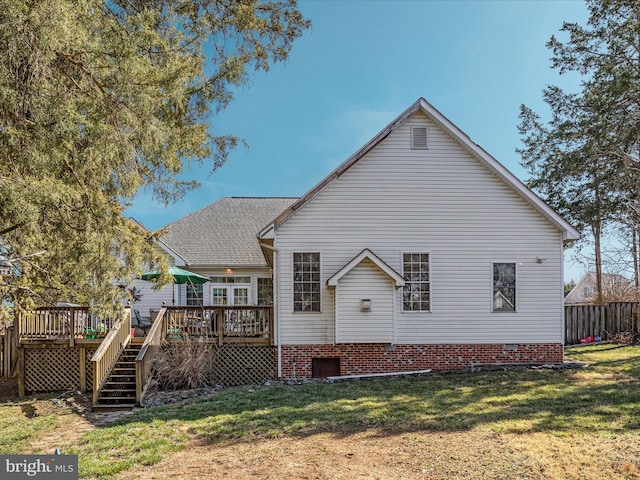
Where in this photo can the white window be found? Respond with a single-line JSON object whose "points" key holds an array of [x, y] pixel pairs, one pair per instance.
{"points": [[194, 295], [306, 282], [231, 290], [240, 295], [219, 296], [265, 291], [416, 292], [504, 287]]}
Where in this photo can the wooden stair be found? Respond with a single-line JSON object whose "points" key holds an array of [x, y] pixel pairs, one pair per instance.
{"points": [[119, 391]]}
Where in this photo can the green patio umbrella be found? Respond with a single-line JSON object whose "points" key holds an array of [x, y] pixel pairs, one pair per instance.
{"points": [[180, 277]]}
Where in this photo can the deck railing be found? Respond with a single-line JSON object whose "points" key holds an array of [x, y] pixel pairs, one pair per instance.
{"points": [[226, 324], [110, 349], [144, 360], [61, 323]]}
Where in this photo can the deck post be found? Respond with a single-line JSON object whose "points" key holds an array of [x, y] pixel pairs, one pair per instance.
{"points": [[20, 371], [220, 315], [72, 328], [83, 369], [271, 326]]}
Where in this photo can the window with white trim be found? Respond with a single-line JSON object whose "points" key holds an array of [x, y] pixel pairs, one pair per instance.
{"points": [[416, 293], [265, 291], [306, 282], [194, 295], [230, 290], [504, 287]]}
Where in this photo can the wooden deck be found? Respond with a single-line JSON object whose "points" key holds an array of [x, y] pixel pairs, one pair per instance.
{"points": [[69, 347], [251, 325], [62, 325], [238, 324]]}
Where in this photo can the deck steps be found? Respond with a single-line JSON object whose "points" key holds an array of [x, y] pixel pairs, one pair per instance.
{"points": [[119, 391]]}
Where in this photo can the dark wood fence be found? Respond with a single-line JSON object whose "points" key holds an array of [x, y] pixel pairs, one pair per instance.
{"points": [[8, 354], [604, 321]]}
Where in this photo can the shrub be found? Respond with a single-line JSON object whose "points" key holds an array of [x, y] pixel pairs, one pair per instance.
{"points": [[184, 364]]}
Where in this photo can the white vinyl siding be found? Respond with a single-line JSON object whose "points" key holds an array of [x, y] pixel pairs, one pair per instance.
{"points": [[397, 199], [354, 325]]}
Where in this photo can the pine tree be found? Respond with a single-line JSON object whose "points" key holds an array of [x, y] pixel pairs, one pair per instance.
{"points": [[100, 100], [585, 161]]}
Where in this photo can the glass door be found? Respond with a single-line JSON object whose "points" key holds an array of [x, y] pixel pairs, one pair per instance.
{"points": [[220, 295], [240, 296], [230, 295]]}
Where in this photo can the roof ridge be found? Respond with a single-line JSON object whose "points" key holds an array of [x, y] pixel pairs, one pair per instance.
{"points": [[225, 198]]}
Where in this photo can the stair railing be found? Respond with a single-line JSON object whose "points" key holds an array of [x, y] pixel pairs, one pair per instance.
{"points": [[109, 351], [144, 361]]}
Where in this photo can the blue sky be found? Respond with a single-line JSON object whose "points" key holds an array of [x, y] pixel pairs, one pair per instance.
{"points": [[361, 64]]}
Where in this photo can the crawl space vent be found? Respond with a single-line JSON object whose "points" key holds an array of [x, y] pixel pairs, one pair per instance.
{"points": [[419, 138]]}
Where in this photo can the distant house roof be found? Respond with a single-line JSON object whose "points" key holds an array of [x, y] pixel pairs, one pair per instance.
{"points": [[224, 233], [585, 289], [421, 105]]}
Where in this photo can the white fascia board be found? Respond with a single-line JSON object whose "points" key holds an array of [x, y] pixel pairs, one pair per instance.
{"points": [[368, 254], [267, 232], [178, 260]]}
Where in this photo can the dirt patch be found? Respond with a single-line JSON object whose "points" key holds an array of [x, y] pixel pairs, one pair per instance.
{"points": [[379, 454], [362, 455], [8, 389]]}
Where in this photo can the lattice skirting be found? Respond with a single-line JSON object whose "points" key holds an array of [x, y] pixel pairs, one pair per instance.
{"points": [[50, 369], [243, 365]]}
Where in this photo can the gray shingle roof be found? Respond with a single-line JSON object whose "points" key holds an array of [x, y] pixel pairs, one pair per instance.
{"points": [[224, 233]]}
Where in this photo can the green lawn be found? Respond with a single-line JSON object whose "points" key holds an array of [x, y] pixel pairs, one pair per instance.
{"points": [[589, 406]]}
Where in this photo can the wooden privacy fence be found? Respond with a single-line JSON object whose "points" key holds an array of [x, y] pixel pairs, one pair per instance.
{"points": [[604, 321], [8, 353]]}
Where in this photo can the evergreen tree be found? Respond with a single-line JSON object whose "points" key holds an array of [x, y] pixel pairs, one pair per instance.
{"points": [[101, 99], [585, 161]]}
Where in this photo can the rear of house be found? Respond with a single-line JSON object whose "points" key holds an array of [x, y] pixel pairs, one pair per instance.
{"points": [[420, 251]]}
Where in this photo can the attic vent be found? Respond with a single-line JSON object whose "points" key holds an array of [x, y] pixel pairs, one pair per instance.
{"points": [[419, 138]]}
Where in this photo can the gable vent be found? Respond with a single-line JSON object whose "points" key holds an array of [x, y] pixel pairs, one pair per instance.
{"points": [[419, 138]]}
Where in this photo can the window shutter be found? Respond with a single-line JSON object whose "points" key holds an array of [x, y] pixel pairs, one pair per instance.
{"points": [[419, 138]]}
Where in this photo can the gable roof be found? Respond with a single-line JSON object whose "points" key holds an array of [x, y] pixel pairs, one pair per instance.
{"points": [[585, 289], [421, 105], [373, 258], [224, 232]]}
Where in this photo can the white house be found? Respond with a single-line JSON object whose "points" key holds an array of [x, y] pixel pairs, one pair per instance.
{"points": [[217, 241], [419, 251], [615, 288]]}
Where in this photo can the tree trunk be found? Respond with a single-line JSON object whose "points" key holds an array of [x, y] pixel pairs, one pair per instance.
{"points": [[597, 230], [636, 273]]}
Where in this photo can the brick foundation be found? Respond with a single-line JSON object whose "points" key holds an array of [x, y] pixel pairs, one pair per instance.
{"points": [[364, 358]]}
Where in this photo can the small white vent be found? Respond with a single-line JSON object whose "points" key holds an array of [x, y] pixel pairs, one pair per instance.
{"points": [[419, 138]]}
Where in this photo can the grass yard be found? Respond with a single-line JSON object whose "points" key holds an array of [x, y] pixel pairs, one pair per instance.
{"points": [[521, 424]]}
